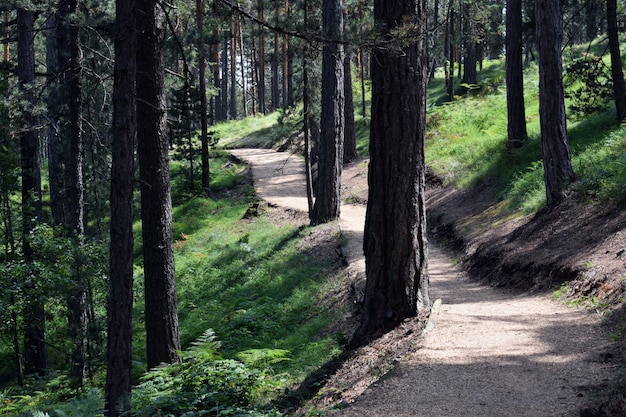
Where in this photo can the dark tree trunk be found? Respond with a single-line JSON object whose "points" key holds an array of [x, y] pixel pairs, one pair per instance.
{"points": [[224, 88], [516, 112], [306, 103], [233, 70], [395, 242], [119, 326], [261, 65], [35, 348], [617, 73], [274, 83], [349, 143], [162, 338], [470, 75], [204, 122], [285, 56], [328, 190], [362, 79], [557, 165]]}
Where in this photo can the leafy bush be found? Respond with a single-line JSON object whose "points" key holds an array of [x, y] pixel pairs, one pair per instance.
{"points": [[589, 86]]}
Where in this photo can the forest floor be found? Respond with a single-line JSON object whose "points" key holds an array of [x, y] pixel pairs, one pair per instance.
{"points": [[498, 345]]}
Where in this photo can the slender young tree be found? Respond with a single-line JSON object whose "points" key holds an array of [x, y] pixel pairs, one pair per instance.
{"points": [[516, 112], [328, 195], [557, 165], [395, 242], [162, 337], [617, 73], [119, 333]]}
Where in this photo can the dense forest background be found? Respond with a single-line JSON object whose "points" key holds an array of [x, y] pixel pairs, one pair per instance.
{"points": [[88, 241]]}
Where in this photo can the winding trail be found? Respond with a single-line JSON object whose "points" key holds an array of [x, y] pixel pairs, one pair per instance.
{"points": [[490, 353]]}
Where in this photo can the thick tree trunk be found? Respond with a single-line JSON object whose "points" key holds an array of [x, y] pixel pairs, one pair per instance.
{"points": [[395, 225], [617, 73], [119, 326], [328, 195], [516, 112], [35, 348], [557, 165], [162, 338]]}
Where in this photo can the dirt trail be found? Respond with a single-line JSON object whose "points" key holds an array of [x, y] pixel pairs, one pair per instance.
{"points": [[489, 354]]}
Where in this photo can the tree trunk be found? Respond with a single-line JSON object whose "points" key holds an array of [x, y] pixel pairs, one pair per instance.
{"points": [[244, 87], [35, 348], [306, 110], [224, 88], [516, 112], [119, 326], [362, 79], [349, 145], [261, 64], [274, 83], [204, 136], [233, 70], [471, 46], [162, 338], [395, 242], [285, 55], [617, 73], [328, 195], [557, 165]]}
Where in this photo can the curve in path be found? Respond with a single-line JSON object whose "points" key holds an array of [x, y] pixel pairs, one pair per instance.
{"points": [[489, 354]]}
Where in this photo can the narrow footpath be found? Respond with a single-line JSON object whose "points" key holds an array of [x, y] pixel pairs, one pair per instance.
{"points": [[489, 353]]}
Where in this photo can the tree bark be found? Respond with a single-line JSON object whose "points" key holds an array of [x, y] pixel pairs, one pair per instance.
{"points": [[119, 326], [349, 145], [204, 122], [162, 337], [274, 82], [233, 70], [328, 195], [261, 64], [395, 242], [557, 165], [516, 112], [35, 348], [617, 73]]}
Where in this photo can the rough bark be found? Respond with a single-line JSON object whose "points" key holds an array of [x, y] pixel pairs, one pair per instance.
{"points": [[328, 190], [516, 113], [617, 73], [119, 326], [557, 165], [162, 337], [395, 242]]}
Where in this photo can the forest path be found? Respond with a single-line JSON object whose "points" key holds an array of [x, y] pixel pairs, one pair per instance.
{"points": [[490, 353]]}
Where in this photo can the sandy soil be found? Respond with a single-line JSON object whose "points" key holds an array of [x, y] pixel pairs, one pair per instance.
{"points": [[489, 353]]}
